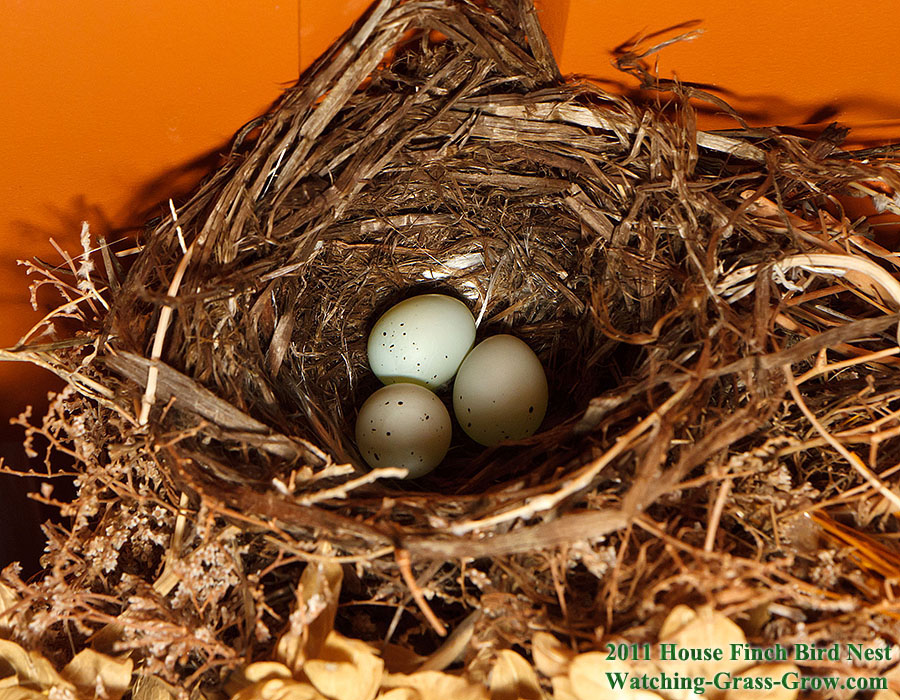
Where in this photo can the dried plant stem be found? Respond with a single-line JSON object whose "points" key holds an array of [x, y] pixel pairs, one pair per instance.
{"points": [[57, 312], [454, 646], [716, 515], [344, 489], [828, 263], [290, 547], [159, 339], [582, 479], [891, 205], [854, 461], [822, 367], [405, 566], [168, 579], [765, 570], [584, 116]]}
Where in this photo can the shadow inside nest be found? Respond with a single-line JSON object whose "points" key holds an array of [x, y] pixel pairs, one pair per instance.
{"points": [[461, 166]]}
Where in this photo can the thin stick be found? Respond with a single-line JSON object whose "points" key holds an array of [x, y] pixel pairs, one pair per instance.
{"points": [[716, 516], [168, 578], [402, 558], [822, 263], [303, 555], [342, 490], [855, 461], [165, 317], [582, 480], [834, 366], [453, 648]]}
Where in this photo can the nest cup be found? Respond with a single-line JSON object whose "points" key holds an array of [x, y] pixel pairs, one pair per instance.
{"points": [[671, 281], [306, 238]]}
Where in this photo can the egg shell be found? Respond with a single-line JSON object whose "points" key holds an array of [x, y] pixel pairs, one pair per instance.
{"points": [[421, 340], [500, 392], [403, 425]]}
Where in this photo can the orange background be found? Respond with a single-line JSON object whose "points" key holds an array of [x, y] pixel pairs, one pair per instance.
{"points": [[111, 107]]}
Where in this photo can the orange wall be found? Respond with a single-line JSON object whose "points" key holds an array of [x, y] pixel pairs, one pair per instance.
{"points": [[106, 105], [777, 61], [109, 107]]}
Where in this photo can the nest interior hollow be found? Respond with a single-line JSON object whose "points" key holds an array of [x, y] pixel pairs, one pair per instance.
{"points": [[406, 190]]}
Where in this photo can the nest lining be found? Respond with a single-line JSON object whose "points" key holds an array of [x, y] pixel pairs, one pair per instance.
{"points": [[210, 413]]}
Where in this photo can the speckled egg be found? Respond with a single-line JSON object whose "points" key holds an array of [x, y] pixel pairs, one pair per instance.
{"points": [[421, 340], [403, 425], [500, 392]]}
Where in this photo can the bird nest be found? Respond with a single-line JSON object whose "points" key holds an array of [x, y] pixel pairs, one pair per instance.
{"points": [[719, 339]]}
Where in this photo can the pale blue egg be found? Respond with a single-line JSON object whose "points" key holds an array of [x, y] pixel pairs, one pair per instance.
{"points": [[421, 340]]}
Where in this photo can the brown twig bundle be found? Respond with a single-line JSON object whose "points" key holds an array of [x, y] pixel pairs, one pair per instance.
{"points": [[719, 339]]}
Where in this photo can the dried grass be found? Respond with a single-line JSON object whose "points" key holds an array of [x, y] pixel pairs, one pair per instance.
{"points": [[719, 338]]}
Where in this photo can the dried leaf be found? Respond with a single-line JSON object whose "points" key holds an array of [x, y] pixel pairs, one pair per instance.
{"points": [[30, 667], [313, 618], [279, 689], [706, 630], [400, 659], [436, 685], [17, 692], [454, 646], [98, 673], [679, 616], [8, 600], [587, 674], [551, 656], [880, 695], [256, 673], [148, 687], [892, 676], [400, 694], [513, 678], [346, 669], [562, 688], [105, 639], [264, 670], [765, 671]]}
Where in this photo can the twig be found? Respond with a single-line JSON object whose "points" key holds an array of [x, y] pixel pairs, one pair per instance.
{"points": [[168, 579], [159, 338], [455, 645], [823, 263], [716, 515], [855, 461], [403, 562], [608, 120], [581, 480], [342, 490], [822, 368]]}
